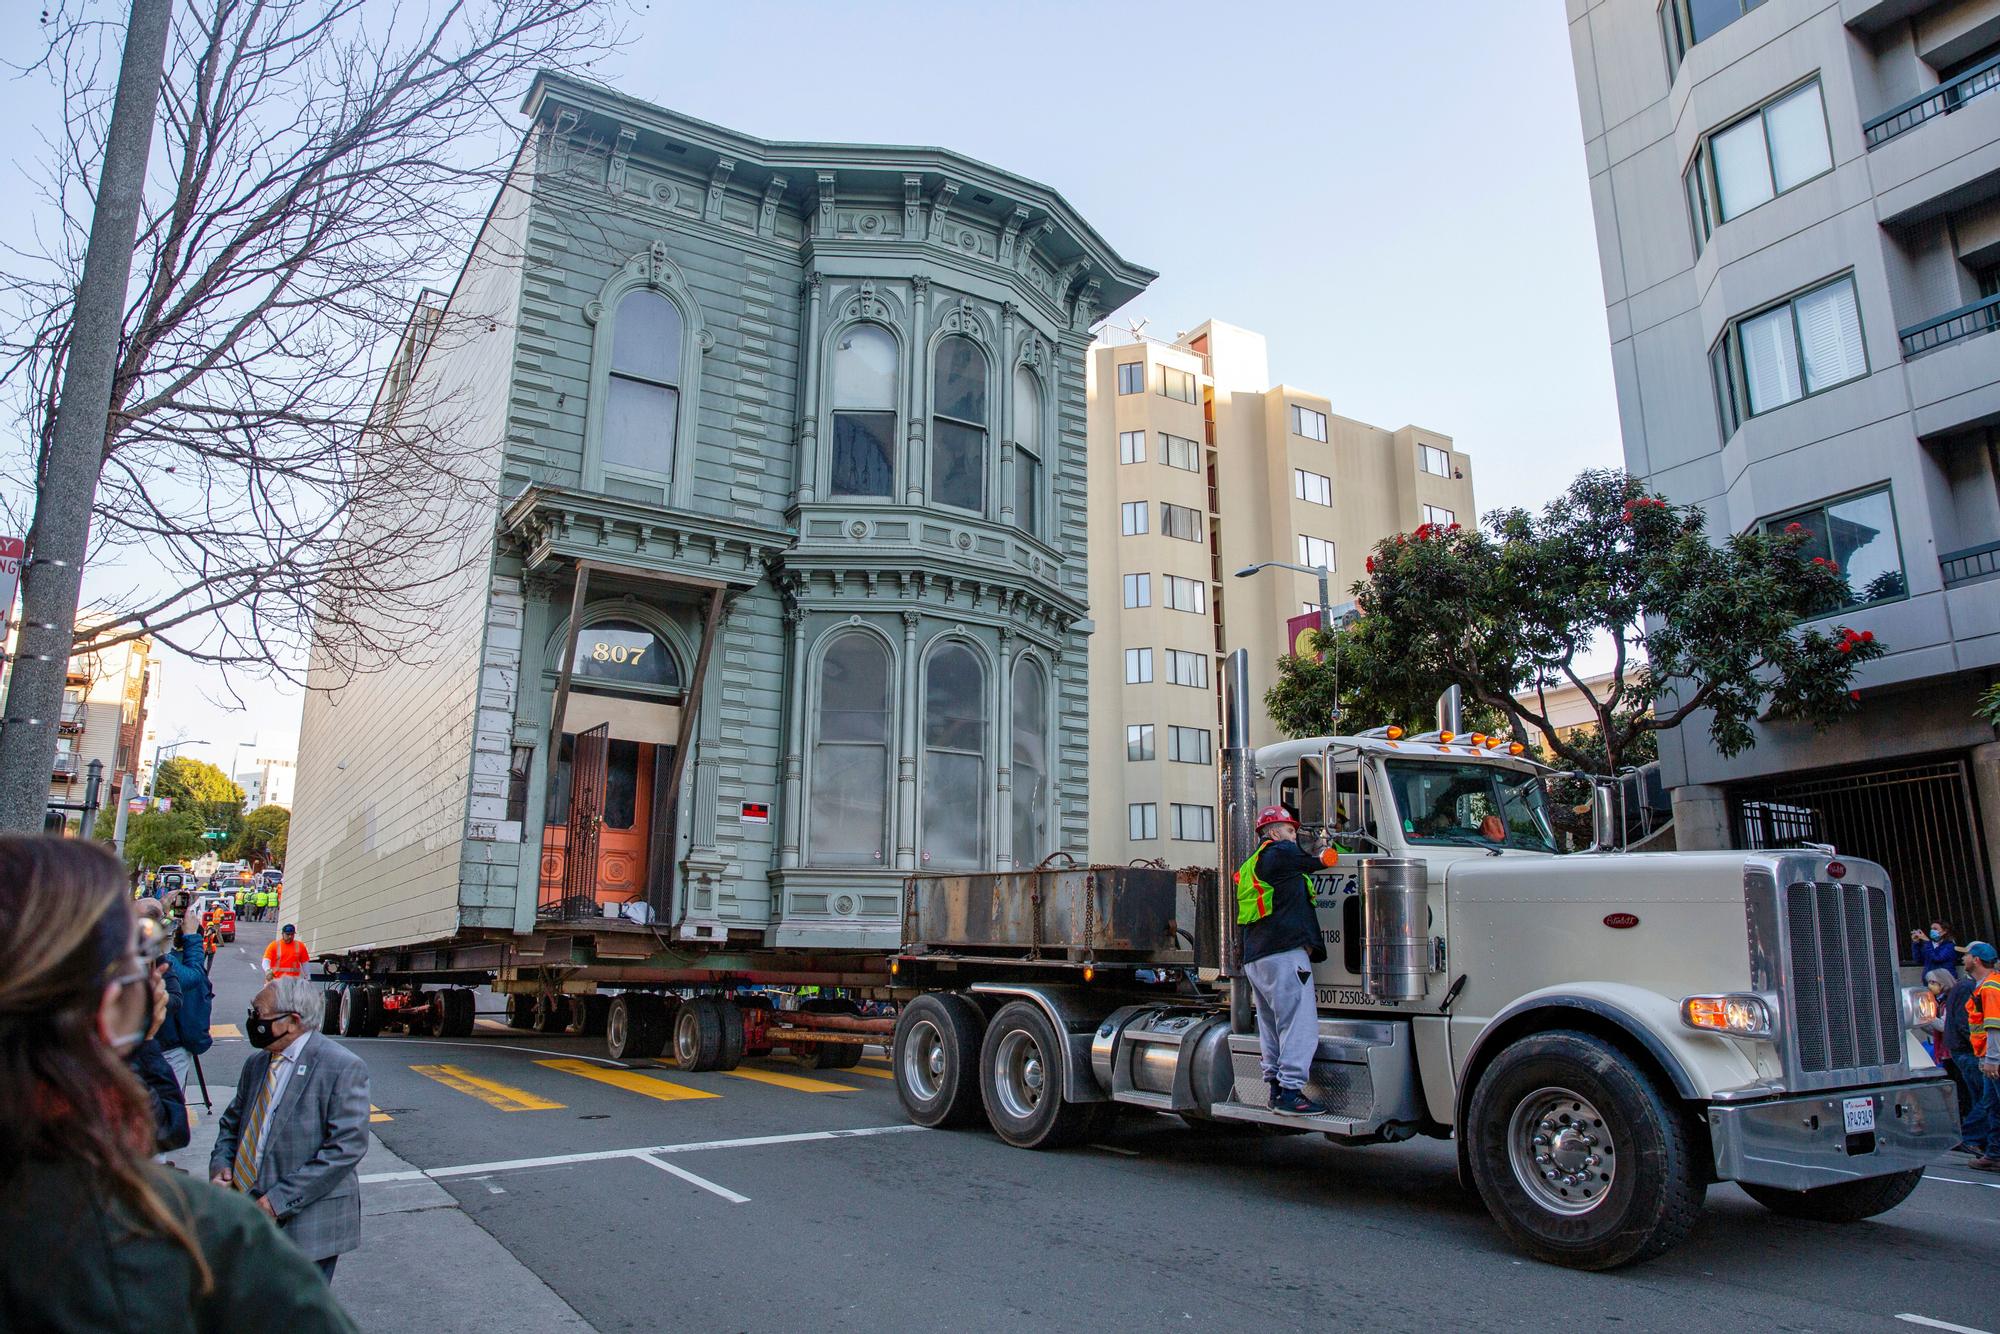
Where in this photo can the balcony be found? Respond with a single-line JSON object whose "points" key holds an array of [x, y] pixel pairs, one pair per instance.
{"points": [[65, 767], [1939, 101], [1970, 565], [1977, 318], [71, 721]]}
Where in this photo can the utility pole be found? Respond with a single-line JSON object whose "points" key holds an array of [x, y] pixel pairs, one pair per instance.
{"points": [[59, 537]]}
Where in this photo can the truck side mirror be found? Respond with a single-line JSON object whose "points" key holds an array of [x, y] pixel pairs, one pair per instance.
{"points": [[1603, 819]]}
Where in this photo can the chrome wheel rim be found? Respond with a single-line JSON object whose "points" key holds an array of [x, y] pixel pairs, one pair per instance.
{"points": [[1020, 1077], [1561, 1151], [615, 1027], [687, 1037], [923, 1060]]}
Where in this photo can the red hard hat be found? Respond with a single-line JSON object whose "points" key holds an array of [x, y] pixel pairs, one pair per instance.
{"points": [[1274, 815]]}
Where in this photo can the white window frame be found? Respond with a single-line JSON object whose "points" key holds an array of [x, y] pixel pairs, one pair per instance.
{"points": [[1139, 742], [1433, 460], [1315, 552], [1309, 423], [1138, 590], [1314, 488], [1186, 667], [1440, 516], [1183, 594], [1138, 666], [1131, 446], [1190, 449], [1142, 821], [1193, 823], [1132, 518]]}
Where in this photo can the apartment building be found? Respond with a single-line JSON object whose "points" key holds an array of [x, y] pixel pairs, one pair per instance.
{"points": [[269, 777], [1798, 213], [1200, 467], [107, 701]]}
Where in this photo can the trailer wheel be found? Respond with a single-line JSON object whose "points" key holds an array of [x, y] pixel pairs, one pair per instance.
{"points": [[635, 1026], [329, 1023], [1843, 1202], [591, 1012], [458, 1013], [551, 1014], [827, 1055], [520, 1010], [1021, 1076], [437, 1020], [698, 1034], [1577, 1155], [354, 1014], [936, 1059]]}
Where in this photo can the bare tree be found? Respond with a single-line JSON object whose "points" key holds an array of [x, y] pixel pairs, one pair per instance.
{"points": [[317, 161]]}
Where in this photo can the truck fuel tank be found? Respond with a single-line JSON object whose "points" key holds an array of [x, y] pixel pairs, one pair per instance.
{"points": [[1395, 918]]}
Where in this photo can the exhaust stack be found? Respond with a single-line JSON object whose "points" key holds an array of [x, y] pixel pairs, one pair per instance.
{"points": [[1239, 810]]}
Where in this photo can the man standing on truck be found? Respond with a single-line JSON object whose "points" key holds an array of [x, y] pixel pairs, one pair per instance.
{"points": [[1281, 943]]}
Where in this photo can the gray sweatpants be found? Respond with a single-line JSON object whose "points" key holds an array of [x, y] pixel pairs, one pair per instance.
{"points": [[1287, 1016]]}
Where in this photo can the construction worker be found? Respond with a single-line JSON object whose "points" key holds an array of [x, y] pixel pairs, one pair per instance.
{"points": [[1982, 1016], [285, 957], [1281, 943], [211, 941]]}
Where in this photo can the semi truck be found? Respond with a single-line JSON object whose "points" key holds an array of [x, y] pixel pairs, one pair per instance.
{"points": [[1603, 1034]]}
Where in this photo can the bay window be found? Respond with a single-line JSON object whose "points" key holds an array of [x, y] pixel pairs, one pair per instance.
{"points": [[1030, 776], [864, 412], [848, 803], [1801, 346], [954, 783], [642, 400], [958, 424]]}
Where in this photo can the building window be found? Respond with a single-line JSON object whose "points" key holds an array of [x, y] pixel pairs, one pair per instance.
{"points": [[958, 424], [864, 412], [642, 403], [848, 803], [1187, 594], [1182, 453], [1310, 609], [1180, 521], [1178, 385], [626, 655], [1190, 745], [1131, 377], [1139, 741], [1438, 516], [1858, 534], [954, 784], [1433, 460], [1686, 22], [1132, 517], [1138, 666], [1027, 451], [1131, 446], [1142, 820], [1803, 345], [1312, 487], [1775, 148], [1186, 669], [1315, 552], [1194, 824], [1138, 590], [1310, 424], [1031, 763]]}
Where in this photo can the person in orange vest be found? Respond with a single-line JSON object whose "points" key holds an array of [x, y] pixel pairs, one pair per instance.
{"points": [[1281, 943], [285, 957], [1982, 1016]]}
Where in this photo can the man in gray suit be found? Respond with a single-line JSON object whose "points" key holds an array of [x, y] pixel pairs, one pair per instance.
{"points": [[298, 1124]]}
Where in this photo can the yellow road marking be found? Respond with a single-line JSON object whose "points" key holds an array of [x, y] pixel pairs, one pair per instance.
{"points": [[377, 1114], [224, 1031], [797, 1082], [630, 1080], [505, 1097], [877, 1074]]}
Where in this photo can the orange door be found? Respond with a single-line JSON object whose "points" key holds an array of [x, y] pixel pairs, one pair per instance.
{"points": [[628, 819]]}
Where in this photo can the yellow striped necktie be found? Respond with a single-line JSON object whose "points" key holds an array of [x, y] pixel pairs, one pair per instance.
{"points": [[243, 1170]]}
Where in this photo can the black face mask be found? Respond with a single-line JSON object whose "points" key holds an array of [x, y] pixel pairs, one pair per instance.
{"points": [[258, 1030]]}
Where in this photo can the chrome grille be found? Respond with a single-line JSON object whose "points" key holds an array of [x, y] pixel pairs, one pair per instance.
{"points": [[1843, 1004]]}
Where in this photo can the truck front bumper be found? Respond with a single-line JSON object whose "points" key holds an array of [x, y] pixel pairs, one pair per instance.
{"points": [[1799, 1143]]}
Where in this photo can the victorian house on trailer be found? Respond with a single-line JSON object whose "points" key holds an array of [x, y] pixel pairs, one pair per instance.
{"points": [[777, 592]]}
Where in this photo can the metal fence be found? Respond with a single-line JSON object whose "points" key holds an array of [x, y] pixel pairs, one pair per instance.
{"points": [[1939, 101], [1977, 318], [1918, 820]]}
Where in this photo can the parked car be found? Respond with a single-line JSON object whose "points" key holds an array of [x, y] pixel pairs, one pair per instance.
{"points": [[227, 921]]}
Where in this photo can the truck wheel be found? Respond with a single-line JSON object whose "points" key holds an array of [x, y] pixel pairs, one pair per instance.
{"points": [[551, 1015], [354, 1014], [590, 1014], [1844, 1202], [1577, 1156], [698, 1034], [329, 1023], [733, 1038], [635, 1026], [1021, 1078], [437, 1020], [458, 1013], [936, 1060], [369, 1002], [520, 1011]]}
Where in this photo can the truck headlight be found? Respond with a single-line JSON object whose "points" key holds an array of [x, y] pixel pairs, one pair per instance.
{"points": [[1738, 1014], [1920, 1008]]}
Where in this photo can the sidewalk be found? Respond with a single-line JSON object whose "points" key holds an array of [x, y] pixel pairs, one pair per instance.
{"points": [[423, 1265]]}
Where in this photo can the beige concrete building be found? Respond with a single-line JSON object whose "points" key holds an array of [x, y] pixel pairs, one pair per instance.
{"points": [[1199, 467], [106, 702]]}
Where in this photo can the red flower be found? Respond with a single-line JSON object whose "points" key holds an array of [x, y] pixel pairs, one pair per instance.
{"points": [[1854, 695], [1867, 636], [1399, 539], [1370, 563], [1847, 646], [1452, 529], [1795, 528], [1819, 560]]}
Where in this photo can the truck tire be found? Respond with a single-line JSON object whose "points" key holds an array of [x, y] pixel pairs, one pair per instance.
{"points": [[1577, 1155], [458, 1013], [437, 1020], [1843, 1202], [551, 1015], [936, 1060], [369, 1002], [590, 1015], [329, 1022], [354, 1014], [698, 1034], [520, 1010], [635, 1026], [1021, 1079], [733, 1038]]}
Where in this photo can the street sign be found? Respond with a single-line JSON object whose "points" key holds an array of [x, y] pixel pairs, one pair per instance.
{"points": [[136, 806], [215, 835], [11, 551]]}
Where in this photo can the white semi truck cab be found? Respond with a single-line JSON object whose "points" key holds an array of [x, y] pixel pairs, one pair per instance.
{"points": [[1604, 1034]]}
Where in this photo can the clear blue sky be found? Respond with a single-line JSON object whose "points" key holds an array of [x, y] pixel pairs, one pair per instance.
{"points": [[1394, 195]]}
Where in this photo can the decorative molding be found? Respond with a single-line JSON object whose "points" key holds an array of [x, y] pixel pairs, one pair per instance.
{"points": [[941, 203], [767, 214], [621, 158], [1087, 302], [718, 181], [823, 204], [913, 205], [962, 317], [866, 304], [1010, 234]]}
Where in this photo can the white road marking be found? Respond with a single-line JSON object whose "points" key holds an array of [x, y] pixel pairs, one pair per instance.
{"points": [[1929, 1323], [1961, 1181], [1114, 1148], [692, 1179], [606, 1155]]}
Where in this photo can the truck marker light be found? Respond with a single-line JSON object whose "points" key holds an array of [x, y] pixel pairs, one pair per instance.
{"points": [[1089, 973], [1736, 1013], [1517, 749], [1919, 1007], [1446, 736], [1394, 733], [1479, 738]]}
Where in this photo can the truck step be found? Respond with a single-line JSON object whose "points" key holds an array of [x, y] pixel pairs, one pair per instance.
{"points": [[1331, 1125]]}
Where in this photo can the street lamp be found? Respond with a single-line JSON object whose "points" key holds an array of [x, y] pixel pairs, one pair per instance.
{"points": [[1321, 573], [152, 779]]}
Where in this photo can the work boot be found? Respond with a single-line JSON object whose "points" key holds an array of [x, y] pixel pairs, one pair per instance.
{"points": [[1963, 1147], [1294, 1102], [1985, 1164]]}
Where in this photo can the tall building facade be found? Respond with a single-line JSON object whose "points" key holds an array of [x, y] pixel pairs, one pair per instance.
{"points": [[1201, 467], [268, 779], [108, 695], [785, 597], [1798, 214]]}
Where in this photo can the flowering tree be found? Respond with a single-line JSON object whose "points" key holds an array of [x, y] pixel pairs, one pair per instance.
{"points": [[1693, 625]]}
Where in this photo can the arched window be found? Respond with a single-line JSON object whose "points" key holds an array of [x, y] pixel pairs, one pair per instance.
{"points": [[958, 424], [1031, 763], [1027, 450], [624, 654], [864, 412], [849, 801], [642, 403], [954, 759]]}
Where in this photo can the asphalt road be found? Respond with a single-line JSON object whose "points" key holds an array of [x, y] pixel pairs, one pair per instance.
{"points": [[776, 1198]]}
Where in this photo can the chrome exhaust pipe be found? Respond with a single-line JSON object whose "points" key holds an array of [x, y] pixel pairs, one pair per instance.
{"points": [[1239, 806]]}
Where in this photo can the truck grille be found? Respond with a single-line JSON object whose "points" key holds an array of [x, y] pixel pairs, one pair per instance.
{"points": [[1843, 1002]]}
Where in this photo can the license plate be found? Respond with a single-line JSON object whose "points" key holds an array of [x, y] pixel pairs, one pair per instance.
{"points": [[1860, 1113]]}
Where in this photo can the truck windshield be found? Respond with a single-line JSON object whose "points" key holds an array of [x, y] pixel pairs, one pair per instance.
{"points": [[1479, 804]]}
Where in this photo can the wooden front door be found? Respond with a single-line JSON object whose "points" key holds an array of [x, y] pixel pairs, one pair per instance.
{"points": [[601, 805], [628, 820]]}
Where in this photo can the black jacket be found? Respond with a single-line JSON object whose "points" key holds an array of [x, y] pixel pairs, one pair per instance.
{"points": [[163, 1091], [1291, 923], [1957, 1028]]}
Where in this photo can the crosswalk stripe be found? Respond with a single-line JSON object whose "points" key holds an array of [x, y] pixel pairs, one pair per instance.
{"points": [[224, 1031], [630, 1080], [376, 1114], [505, 1097], [873, 1074], [796, 1082]]}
